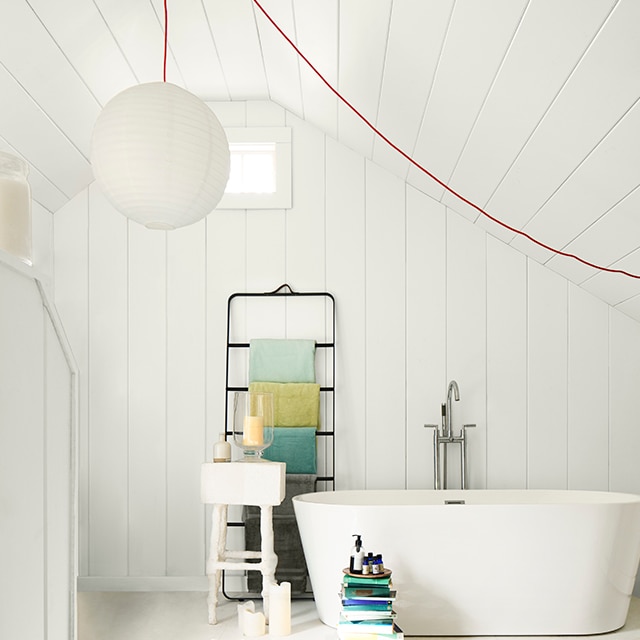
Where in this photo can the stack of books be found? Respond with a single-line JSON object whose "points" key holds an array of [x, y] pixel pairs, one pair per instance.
{"points": [[367, 608]]}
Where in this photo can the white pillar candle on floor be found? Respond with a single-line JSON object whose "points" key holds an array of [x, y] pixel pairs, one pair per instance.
{"points": [[254, 624], [280, 609], [242, 609]]}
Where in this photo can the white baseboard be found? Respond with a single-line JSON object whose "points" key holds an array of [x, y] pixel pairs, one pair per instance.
{"points": [[160, 583], [163, 583]]}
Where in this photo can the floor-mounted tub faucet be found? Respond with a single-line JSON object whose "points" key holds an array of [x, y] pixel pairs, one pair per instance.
{"points": [[443, 435]]}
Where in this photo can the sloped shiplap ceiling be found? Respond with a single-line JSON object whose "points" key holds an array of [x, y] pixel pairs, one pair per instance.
{"points": [[529, 109]]}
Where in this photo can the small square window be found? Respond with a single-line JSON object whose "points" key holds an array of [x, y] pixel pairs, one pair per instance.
{"points": [[260, 170], [253, 167]]}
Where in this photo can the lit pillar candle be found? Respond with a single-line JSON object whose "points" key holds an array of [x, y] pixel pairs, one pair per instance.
{"points": [[254, 624], [280, 609], [253, 434], [242, 610]]}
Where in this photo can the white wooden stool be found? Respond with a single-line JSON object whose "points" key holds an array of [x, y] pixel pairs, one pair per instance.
{"points": [[260, 484]]}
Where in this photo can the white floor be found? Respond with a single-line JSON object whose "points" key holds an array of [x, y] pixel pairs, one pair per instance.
{"points": [[183, 616]]}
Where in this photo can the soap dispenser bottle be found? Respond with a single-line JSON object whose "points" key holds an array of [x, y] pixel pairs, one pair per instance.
{"points": [[357, 555]]}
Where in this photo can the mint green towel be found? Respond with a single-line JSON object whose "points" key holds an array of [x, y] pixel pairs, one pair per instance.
{"points": [[296, 446], [273, 360], [296, 404]]}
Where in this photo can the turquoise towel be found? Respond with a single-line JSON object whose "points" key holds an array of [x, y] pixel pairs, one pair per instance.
{"points": [[296, 446], [273, 360]]}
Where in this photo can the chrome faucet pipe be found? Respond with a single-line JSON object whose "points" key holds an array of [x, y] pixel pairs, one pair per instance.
{"points": [[436, 455], [444, 438], [463, 454]]}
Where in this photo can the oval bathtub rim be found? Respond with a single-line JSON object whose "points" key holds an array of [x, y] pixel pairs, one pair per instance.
{"points": [[472, 497]]}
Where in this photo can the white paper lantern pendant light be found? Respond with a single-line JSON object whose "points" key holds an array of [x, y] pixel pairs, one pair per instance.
{"points": [[160, 155]]}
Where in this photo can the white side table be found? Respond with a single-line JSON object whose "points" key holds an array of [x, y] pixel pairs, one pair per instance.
{"points": [[260, 484]]}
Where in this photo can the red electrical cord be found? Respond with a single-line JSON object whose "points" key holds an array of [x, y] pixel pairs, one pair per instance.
{"points": [[428, 173], [166, 32]]}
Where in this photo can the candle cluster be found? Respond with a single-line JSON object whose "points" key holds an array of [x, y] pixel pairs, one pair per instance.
{"points": [[253, 623]]}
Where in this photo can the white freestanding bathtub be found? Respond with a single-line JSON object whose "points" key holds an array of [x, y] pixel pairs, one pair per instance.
{"points": [[505, 562]]}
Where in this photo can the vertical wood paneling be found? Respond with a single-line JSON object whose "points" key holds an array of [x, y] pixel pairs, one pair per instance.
{"points": [[624, 403], [71, 272], [422, 297], [547, 378], [266, 268], [147, 322], [59, 506], [588, 394], [506, 367], [265, 251], [22, 461], [345, 189], [426, 320], [466, 344], [385, 303], [108, 389], [306, 245], [186, 396], [306, 264], [226, 273]]}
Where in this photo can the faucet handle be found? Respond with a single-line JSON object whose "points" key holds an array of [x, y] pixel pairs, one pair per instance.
{"points": [[430, 426], [468, 426]]}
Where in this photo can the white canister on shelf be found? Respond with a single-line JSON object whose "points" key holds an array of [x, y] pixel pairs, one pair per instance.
{"points": [[222, 450], [15, 207]]}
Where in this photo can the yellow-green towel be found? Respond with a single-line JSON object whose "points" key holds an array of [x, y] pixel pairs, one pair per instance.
{"points": [[296, 404]]}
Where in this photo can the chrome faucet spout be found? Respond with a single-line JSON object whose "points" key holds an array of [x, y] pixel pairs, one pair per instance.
{"points": [[453, 387]]}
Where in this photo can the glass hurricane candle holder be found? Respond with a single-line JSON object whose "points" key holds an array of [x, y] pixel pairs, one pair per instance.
{"points": [[252, 423]]}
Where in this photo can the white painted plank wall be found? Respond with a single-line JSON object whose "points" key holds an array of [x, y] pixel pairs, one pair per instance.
{"points": [[22, 472], [624, 403], [588, 391], [547, 379], [36, 532], [107, 430], [186, 395], [466, 343], [147, 404], [548, 374], [426, 320], [384, 445], [70, 238], [59, 500], [345, 265], [506, 367]]}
